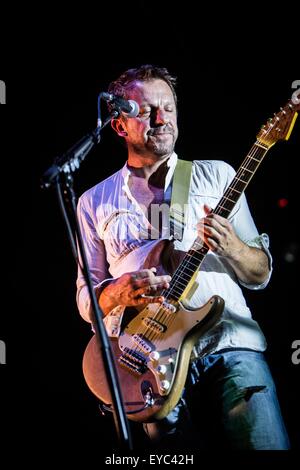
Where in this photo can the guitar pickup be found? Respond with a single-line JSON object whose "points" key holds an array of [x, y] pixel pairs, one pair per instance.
{"points": [[170, 308], [154, 325], [143, 343]]}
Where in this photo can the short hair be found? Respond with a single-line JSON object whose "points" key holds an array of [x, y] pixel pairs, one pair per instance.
{"points": [[147, 72]]}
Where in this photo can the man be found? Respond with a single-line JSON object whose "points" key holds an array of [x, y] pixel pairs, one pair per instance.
{"points": [[238, 408]]}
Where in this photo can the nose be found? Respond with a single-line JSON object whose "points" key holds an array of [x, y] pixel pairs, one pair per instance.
{"points": [[161, 117]]}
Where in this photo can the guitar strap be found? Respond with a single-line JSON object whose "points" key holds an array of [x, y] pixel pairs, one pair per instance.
{"points": [[180, 195]]}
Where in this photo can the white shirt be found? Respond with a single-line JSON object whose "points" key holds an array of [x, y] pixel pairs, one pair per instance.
{"points": [[115, 230]]}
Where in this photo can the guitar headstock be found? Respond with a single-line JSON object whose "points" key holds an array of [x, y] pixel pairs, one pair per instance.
{"points": [[280, 126]]}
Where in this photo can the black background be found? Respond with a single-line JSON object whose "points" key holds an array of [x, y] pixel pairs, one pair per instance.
{"points": [[226, 91]]}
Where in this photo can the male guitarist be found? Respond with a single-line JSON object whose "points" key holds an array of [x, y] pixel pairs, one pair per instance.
{"points": [[129, 250]]}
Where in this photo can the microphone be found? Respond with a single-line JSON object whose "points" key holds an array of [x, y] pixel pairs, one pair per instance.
{"points": [[128, 107]]}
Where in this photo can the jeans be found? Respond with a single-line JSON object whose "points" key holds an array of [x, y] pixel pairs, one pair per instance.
{"points": [[229, 402]]}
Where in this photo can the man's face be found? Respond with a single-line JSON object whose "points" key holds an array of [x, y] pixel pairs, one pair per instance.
{"points": [[155, 129]]}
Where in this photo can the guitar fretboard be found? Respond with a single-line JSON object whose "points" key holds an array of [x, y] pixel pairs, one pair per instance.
{"points": [[195, 256]]}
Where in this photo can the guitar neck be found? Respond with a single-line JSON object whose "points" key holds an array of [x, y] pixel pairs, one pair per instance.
{"points": [[195, 256], [278, 127]]}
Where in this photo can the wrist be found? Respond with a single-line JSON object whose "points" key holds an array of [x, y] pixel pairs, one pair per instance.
{"points": [[106, 299], [239, 253]]}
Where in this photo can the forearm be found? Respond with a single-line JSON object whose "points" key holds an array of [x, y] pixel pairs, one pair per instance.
{"points": [[106, 301], [250, 264]]}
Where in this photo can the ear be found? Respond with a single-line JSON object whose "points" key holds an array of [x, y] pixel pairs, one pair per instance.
{"points": [[117, 126]]}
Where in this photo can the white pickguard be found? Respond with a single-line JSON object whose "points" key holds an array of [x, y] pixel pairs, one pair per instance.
{"points": [[160, 350]]}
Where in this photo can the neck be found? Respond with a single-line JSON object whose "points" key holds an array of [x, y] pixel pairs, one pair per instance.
{"points": [[145, 166]]}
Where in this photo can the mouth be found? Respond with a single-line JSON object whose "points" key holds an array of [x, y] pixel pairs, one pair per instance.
{"points": [[161, 134]]}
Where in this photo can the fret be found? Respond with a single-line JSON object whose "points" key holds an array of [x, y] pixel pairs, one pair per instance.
{"points": [[182, 280], [250, 165], [225, 208], [201, 249], [190, 274], [239, 179], [179, 286], [174, 286], [255, 159], [228, 199], [173, 291], [191, 264], [233, 189], [247, 170], [193, 258], [197, 253], [194, 252], [184, 277], [191, 267], [259, 144], [257, 155], [192, 271]]}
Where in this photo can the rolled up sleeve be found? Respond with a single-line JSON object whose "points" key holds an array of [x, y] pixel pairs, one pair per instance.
{"points": [[261, 242], [244, 226]]}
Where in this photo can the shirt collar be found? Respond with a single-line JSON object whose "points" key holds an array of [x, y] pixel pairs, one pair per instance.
{"points": [[171, 163]]}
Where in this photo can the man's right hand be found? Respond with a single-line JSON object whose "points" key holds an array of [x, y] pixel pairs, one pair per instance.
{"points": [[134, 289]]}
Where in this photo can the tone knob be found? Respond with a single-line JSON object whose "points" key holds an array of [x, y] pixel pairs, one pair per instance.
{"points": [[162, 369], [165, 385], [154, 356]]}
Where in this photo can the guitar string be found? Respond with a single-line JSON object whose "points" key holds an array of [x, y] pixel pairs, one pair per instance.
{"points": [[198, 244], [237, 184], [256, 150], [160, 315], [167, 318]]}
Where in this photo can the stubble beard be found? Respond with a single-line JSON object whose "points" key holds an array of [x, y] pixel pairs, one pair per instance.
{"points": [[160, 149]]}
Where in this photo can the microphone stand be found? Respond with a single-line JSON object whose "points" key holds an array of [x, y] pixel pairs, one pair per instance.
{"points": [[60, 175]]}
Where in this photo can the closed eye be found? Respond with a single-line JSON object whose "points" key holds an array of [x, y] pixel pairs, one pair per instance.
{"points": [[144, 111]]}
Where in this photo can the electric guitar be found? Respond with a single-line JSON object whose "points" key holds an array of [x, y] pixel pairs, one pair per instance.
{"points": [[153, 351]]}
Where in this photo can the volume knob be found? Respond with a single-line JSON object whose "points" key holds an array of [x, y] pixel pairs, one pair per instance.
{"points": [[162, 369], [154, 356], [165, 385]]}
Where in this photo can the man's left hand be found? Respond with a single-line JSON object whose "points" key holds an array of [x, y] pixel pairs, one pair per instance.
{"points": [[218, 233]]}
